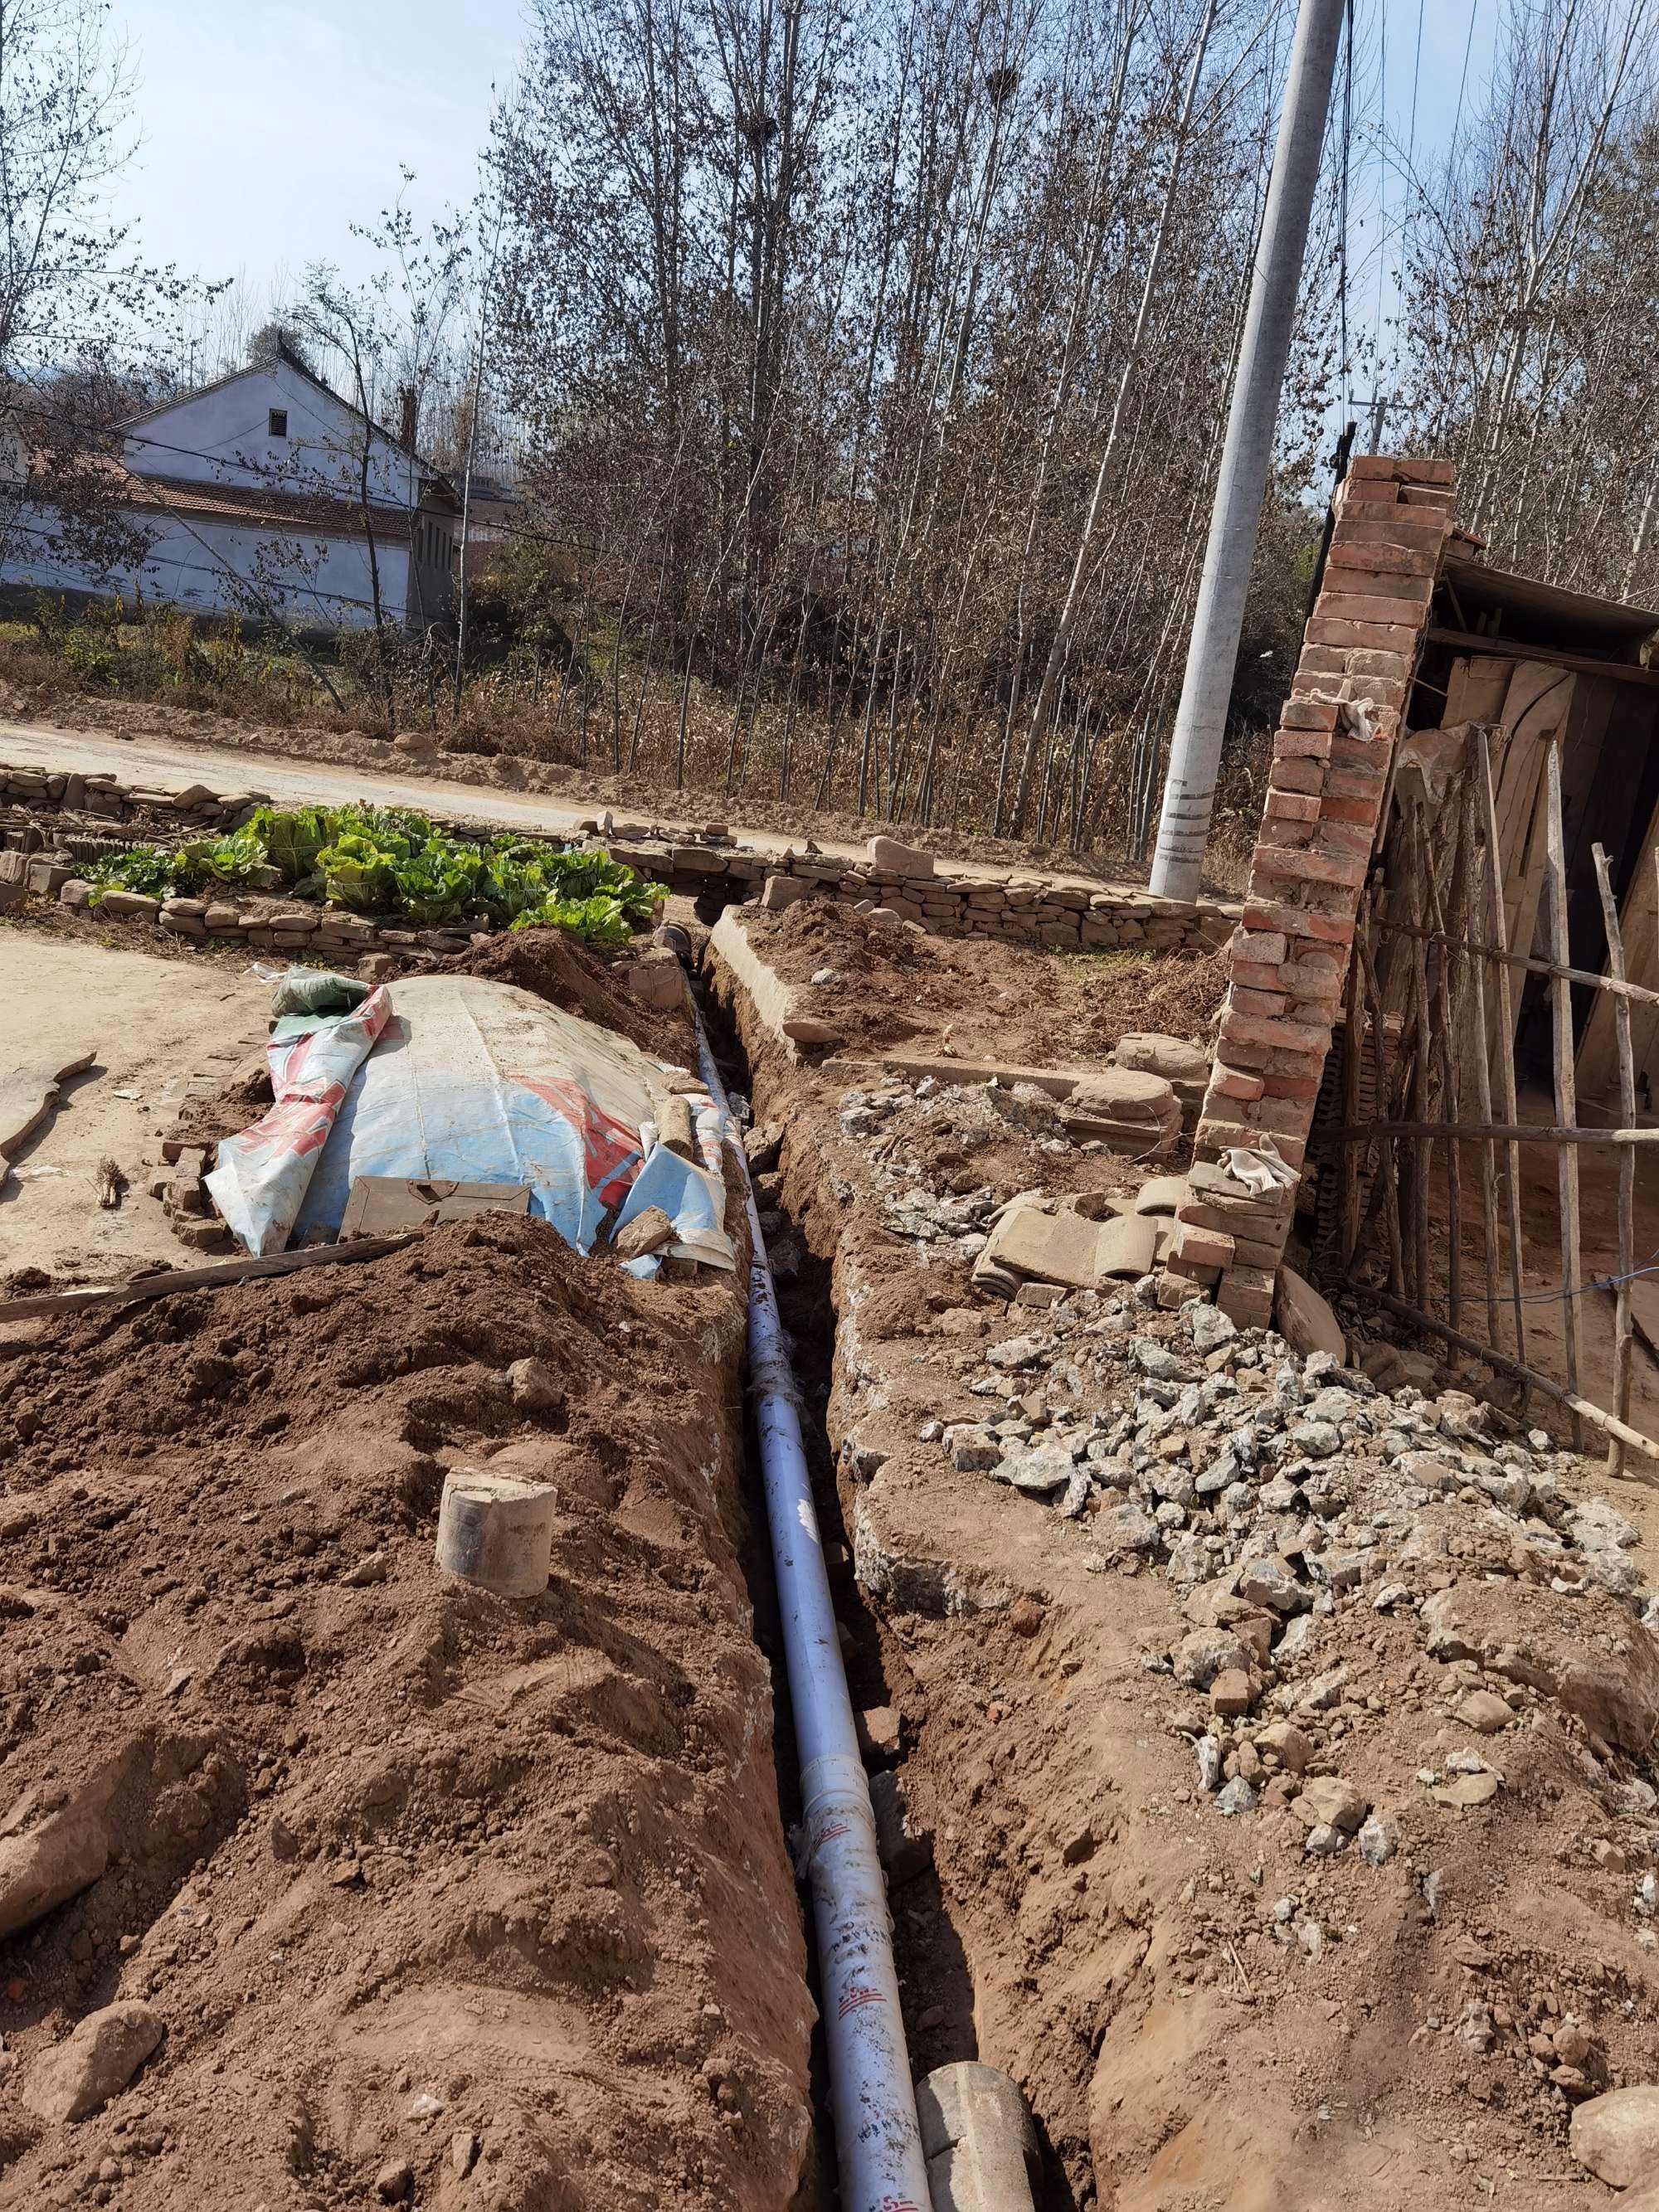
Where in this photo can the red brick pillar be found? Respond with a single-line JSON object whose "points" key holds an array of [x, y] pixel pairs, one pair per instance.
{"points": [[1289, 956]]}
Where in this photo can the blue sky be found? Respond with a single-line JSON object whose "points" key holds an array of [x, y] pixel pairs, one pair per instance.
{"points": [[267, 129]]}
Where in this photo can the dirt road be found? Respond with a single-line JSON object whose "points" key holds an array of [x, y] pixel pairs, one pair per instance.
{"points": [[145, 1020], [172, 763]]}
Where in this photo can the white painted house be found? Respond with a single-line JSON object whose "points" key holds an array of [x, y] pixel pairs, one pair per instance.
{"points": [[248, 495]]}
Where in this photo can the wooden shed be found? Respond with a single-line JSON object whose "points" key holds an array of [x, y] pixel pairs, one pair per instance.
{"points": [[1533, 663]]}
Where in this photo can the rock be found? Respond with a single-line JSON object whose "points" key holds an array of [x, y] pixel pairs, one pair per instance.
{"points": [[1237, 1797], [1595, 1526], [1230, 1694], [1465, 1791], [535, 1388], [894, 858], [973, 1448], [1617, 2136], [1207, 1751], [656, 980], [1317, 1439], [906, 1848], [93, 2063], [1268, 1582], [1209, 1327], [1379, 1838], [1039, 1474], [1156, 1359], [1305, 1320], [395, 2181], [1323, 1841], [1018, 1352], [1483, 1712], [1328, 1800], [1207, 1653], [1288, 1744], [463, 2147], [648, 1232], [1122, 1528], [780, 891], [66, 1854]]}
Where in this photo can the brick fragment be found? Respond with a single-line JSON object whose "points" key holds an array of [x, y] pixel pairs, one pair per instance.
{"points": [[1236, 1082], [1296, 775], [1380, 637], [1201, 1247], [1293, 805], [1273, 1004], [1300, 921], [1304, 714], [1256, 1029], [1268, 946], [1369, 607], [1304, 744], [1297, 866]]}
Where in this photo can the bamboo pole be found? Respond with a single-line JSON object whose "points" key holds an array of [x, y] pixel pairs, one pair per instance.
{"points": [[1474, 975], [1532, 965], [1566, 1100], [1421, 1054], [1388, 1183], [1347, 1165], [1580, 1407], [1515, 1132], [1623, 1334], [1445, 1032], [1487, 806]]}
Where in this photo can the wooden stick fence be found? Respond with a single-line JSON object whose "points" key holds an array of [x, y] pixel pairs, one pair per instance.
{"points": [[1430, 1014]]}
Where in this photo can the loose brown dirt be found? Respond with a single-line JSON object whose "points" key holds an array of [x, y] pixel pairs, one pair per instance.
{"points": [[1091, 1923], [410, 1876], [972, 997]]}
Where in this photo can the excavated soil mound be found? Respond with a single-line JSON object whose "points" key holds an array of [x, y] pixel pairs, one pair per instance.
{"points": [[404, 1889], [1286, 1747], [976, 996], [554, 966]]}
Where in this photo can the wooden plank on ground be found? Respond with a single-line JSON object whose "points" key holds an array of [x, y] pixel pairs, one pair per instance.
{"points": [[215, 1276]]}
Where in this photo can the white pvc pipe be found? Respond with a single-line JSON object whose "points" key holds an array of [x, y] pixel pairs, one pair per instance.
{"points": [[877, 2137]]}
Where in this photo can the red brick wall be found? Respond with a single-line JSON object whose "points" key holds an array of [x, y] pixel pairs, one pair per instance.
{"points": [[1289, 955]]}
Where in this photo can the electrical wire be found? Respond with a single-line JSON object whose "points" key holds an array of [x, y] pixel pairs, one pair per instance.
{"points": [[1342, 216]]}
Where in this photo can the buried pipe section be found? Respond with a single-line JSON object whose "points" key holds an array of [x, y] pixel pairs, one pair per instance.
{"points": [[877, 2137]]}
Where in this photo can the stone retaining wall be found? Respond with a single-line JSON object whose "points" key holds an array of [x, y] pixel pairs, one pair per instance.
{"points": [[1289, 956], [1020, 907]]}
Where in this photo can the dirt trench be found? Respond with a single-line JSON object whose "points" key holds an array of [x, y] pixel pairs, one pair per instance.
{"points": [[1217, 1991], [374, 1887]]}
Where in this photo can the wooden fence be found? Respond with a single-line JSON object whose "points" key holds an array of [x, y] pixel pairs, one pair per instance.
{"points": [[1421, 1120]]}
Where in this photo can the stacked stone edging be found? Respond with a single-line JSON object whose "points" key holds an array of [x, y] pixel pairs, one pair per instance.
{"points": [[1020, 908], [1289, 955]]}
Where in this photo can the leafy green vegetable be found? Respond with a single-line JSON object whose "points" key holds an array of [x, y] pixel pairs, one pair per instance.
{"points": [[386, 860], [293, 841]]}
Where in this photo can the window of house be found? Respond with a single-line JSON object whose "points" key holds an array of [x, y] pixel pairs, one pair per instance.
{"points": [[277, 422]]}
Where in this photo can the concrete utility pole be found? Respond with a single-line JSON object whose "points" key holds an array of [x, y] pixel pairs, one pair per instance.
{"points": [[1195, 749]]}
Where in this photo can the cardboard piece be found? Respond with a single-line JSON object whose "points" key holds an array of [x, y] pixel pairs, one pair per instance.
{"points": [[384, 1205]]}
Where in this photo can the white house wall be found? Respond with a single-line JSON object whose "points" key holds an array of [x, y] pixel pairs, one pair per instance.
{"points": [[206, 567], [223, 436]]}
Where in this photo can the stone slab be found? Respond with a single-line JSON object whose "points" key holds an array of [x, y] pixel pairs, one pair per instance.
{"points": [[28, 1094]]}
